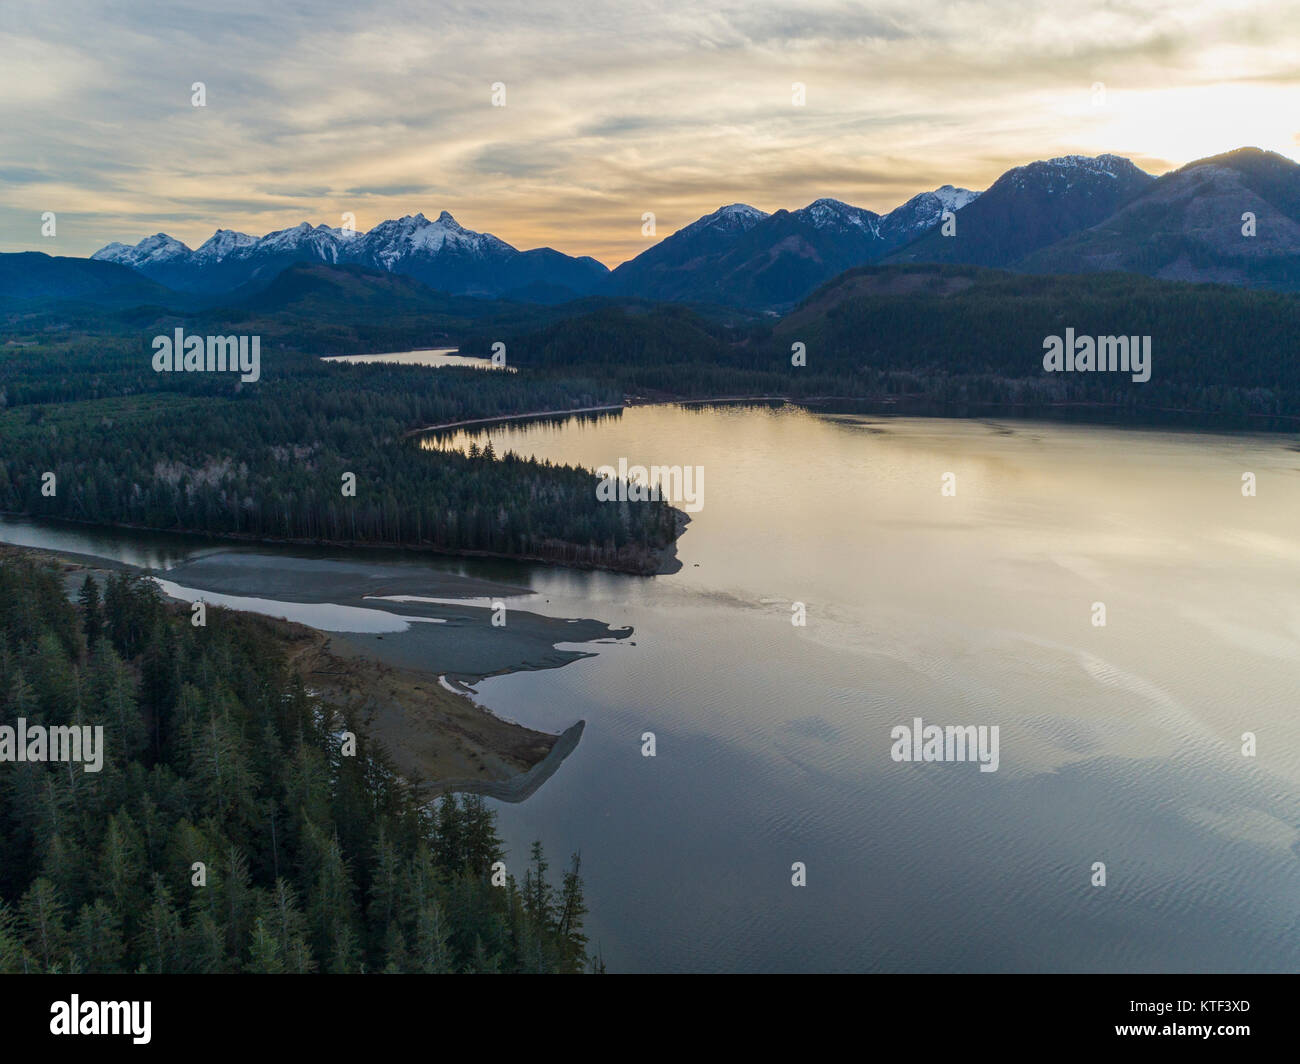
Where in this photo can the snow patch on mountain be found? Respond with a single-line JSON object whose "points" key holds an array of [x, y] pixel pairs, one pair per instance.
{"points": [[735, 217], [954, 199], [1065, 170], [152, 249], [829, 213], [924, 211], [395, 240], [222, 244]]}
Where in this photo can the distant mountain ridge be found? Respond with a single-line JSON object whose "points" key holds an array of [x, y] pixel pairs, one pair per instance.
{"points": [[1030, 207], [33, 275], [1063, 215], [742, 256], [1232, 219], [441, 253]]}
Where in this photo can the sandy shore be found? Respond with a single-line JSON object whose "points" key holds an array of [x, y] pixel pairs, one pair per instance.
{"points": [[431, 734], [448, 630], [403, 686]]}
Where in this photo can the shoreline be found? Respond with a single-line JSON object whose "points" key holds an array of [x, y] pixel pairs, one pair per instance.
{"points": [[512, 417], [1124, 418], [667, 556], [435, 734], [668, 562]]}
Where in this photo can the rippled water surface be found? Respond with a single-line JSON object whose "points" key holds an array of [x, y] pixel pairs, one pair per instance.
{"points": [[1119, 744]]}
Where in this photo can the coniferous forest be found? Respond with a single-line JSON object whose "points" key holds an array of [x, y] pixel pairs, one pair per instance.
{"points": [[216, 757], [203, 453]]}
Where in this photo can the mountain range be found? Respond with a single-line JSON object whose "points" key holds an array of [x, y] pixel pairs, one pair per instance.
{"points": [[742, 256], [737, 255], [1192, 225], [1032, 207], [1233, 218], [441, 253]]}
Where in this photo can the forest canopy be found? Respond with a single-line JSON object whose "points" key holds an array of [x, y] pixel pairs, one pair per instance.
{"points": [[218, 756]]}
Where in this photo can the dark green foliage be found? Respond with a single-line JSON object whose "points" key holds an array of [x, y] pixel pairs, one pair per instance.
{"points": [[216, 753], [91, 619], [200, 452], [958, 336]]}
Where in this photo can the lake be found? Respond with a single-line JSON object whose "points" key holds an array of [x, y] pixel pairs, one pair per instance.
{"points": [[1119, 743], [434, 356]]}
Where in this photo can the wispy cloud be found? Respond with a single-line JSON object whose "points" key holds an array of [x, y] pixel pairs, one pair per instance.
{"points": [[612, 108]]}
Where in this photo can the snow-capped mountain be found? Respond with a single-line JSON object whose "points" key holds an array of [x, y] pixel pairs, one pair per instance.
{"points": [[734, 218], [742, 256], [152, 251], [390, 243], [441, 253], [923, 212], [672, 268], [737, 255], [835, 214], [1030, 207], [1188, 226], [445, 255], [1063, 172], [219, 245]]}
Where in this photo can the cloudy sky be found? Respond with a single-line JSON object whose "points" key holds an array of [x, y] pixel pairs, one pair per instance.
{"points": [[611, 109]]}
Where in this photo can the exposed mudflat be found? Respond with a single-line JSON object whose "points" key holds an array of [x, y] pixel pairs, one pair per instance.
{"points": [[455, 636], [405, 684]]}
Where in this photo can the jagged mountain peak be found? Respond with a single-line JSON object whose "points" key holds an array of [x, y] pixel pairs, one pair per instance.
{"points": [[952, 197], [1070, 166], [158, 248], [832, 212], [924, 211], [442, 253], [223, 243], [734, 216]]}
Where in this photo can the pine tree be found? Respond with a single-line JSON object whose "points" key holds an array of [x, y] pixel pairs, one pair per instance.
{"points": [[384, 883], [432, 954], [449, 847], [572, 909], [538, 892], [234, 901], [92, 619], [482, 962], [481, 843], [12, 960], [283, 915], [265, 954], [121, 864], [160, 935], [41, 917], [97, 938]]}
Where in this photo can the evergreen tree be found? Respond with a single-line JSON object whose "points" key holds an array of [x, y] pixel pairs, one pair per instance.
{"points": [[92, 620], [572, 908], [41, 918]]}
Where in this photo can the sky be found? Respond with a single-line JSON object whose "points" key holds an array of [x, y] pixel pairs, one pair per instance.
{"points": [[611, 109]]}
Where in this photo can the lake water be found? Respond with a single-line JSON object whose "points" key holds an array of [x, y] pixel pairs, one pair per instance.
{"points": [[434, 356], [1119, 743]]}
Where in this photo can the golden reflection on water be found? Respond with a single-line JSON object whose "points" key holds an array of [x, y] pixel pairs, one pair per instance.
{"points": [[991, 590]]}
